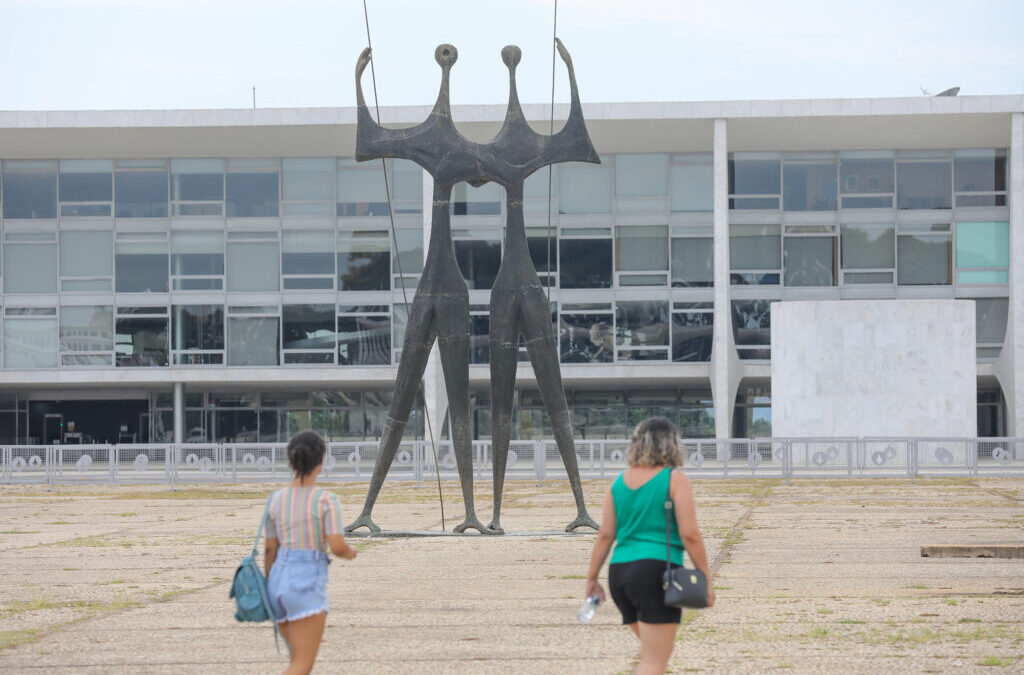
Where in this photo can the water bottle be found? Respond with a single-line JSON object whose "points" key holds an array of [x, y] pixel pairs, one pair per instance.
{"points": [[587, 609]]}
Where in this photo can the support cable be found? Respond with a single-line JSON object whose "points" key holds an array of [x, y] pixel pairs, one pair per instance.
{"points": [[398, 260], [551, 130]]}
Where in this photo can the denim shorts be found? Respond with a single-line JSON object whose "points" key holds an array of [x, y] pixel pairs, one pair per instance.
{"points": [[298, 584]]}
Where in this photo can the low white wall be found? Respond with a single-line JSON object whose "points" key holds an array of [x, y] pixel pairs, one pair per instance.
{"points": [[874, 368]]}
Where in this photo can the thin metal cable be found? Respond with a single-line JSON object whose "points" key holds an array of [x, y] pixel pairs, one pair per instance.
{"points": [[551, 130], [398, 260]]}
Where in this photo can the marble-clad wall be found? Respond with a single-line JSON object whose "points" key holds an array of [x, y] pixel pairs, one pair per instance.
{"points": [[874, 368]]}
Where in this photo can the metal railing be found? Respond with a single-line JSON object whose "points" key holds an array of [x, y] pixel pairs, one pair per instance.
{"points": [[353, 461]]}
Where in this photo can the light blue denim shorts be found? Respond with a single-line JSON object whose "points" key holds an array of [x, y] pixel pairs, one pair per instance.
{"points": [[298, 584]]}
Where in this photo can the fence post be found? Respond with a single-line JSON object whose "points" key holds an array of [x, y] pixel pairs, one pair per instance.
{"points": [[417, 462], [912, 459], [849, 460], [539, 461], [787, 460], [50, 469], [113, 454]]}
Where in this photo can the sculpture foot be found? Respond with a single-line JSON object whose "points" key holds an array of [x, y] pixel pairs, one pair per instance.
{"points": [[363, 521], [468, 523], [494, 527], [582, 520]]}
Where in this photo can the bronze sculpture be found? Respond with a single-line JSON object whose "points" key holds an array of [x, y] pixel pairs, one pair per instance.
{"points": [[440, 309]]}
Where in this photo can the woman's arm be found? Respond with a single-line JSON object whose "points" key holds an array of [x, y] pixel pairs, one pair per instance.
{"points": [[605, 539], [340, 547], [269, 554], [689, 532]]}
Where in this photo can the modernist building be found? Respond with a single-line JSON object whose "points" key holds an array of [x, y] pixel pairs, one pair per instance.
{"points": [[233, 275]]}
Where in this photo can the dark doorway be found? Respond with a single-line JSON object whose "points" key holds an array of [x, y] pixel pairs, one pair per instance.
{"points": [[82, 422]]}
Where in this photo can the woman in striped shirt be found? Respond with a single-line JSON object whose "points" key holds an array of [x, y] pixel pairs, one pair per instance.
{"points": [[303, 521]]}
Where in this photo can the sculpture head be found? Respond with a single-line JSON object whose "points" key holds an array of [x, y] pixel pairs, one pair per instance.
{"points": [[511, 55], [446, 55]]}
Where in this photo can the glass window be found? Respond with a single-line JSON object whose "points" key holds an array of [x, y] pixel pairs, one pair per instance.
{"points": [[641, 182], [693, 183], [693, 261], [30, 342], [140, 264], [480, 201], [197, 260], [543, 252], [86, 335], [30, 267], [86, 260], [407, 186], [253, 341], [599, 414], [924, 258], [642, 249], [86, 187], [810, 261], [408, 254], [586, 338], [755, 180], [198, 334], [924, 183], [478, 261], [867, 179], [141, 340], [752, 416], [692, 335], [751, 328], [584, 188], [364, 260], [253, 266], [140, 192], [479, 338], [640, 326], [252, 189], [30, 189], [361, 190], [990, 324], [197, 187], [307, 186], [809, 185], [754, 249], [310, 331], [364, 336], [979, 172], [696, 414], [585, 263], [868, 247], [982, 252], [307, 260]]}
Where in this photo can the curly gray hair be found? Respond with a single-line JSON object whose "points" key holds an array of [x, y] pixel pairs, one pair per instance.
{"points": [[655, 442]]}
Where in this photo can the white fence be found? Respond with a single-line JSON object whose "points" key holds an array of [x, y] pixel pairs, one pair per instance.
{"points": [[414, 461]]}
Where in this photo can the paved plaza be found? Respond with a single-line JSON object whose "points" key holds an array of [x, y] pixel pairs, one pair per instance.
{"points": [[817, 576]]}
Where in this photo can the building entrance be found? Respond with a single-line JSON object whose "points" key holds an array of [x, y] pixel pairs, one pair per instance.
{"points": [[83, 422]]}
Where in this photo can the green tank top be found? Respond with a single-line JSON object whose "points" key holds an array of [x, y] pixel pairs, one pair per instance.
{"points": [[640, 521]]}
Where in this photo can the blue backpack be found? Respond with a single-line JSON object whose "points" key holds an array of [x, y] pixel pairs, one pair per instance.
{"points": [[249, 589]]}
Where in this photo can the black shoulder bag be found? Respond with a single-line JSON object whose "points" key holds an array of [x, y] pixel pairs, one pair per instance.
{"points": [[683, 587]]}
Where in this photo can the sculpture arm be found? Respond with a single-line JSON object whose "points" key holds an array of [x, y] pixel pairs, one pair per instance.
{"points": [[372, 140]]}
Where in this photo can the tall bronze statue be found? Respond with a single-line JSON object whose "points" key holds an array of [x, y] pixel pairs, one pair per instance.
{"points": [[440, 308]]}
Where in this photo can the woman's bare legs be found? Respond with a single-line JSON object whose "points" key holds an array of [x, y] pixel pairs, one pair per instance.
{"points": [[304, 638], [656, 643]]}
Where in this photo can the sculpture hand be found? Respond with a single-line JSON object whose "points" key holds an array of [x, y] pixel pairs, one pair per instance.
{"points": [[563, 52], [364, 60]]}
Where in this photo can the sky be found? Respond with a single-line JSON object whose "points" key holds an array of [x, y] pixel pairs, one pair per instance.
{"points": [[156, 54]]}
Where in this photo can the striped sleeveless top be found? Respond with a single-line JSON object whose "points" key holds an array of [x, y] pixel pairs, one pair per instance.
{"points": [[302, 517]]}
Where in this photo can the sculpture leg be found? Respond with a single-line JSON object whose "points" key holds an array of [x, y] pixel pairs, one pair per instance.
{"points": [[543, 350], [419, 338], [504, 344], [455, 363]]}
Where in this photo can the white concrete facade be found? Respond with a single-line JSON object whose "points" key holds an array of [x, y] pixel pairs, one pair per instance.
{"points": [[874, 368]]}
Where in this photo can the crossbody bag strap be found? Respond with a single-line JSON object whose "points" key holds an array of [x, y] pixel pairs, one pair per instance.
{"points": [[668, 512]]}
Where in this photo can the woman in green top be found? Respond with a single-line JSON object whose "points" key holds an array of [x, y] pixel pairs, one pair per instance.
{"points": [[634, 519]]}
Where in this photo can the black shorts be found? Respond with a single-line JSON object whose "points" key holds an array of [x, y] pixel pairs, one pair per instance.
{"points": [[636, 589]]}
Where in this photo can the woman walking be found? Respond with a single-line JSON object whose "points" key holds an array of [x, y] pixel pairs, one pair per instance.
{"points": [[634, 520], [303, 521]]}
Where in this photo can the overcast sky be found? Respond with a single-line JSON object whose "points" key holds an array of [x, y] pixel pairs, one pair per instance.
{"points": [[140, 54]]}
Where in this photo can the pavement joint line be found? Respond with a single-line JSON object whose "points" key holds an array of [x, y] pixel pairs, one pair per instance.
{"points": [[997, 492], [728, 540]]}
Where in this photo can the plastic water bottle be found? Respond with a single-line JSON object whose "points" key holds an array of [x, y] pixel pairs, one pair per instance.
{"points": [[587, 609]]}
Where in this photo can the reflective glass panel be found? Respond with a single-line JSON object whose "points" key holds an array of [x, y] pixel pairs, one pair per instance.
{"points": [[30, 189], [983, 244], [754, 174], [253, 266], [586, 338], [83, 182], [755, 247], [692, 336], [585, 263], [409, 246], [481, 201], [196, 253], [642, 248], [308, 180], [364, 340], [641, 324], [641, 175], [478, 261], [252, 195], [87, 254], [253, 341], [693, 183], [924, 259], [980, 170], [30, 268], [751, 325], [924, 184], [141, 342], [308, 253], [868, 246], [87, 328], [30, 343], [692, 261], [197, 187], [197, 327], [140, 194], [809, 186], [584, 188], [990, 322], [308, 326], [407, 186], [809, 261], [361, 189], [866, 173], [364, 262], [141, 267], [479, 336]]}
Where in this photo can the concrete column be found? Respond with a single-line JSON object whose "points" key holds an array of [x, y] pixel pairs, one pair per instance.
{"points": [[179, 412], [435, 394], [1011, 360], [724, 362]]}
